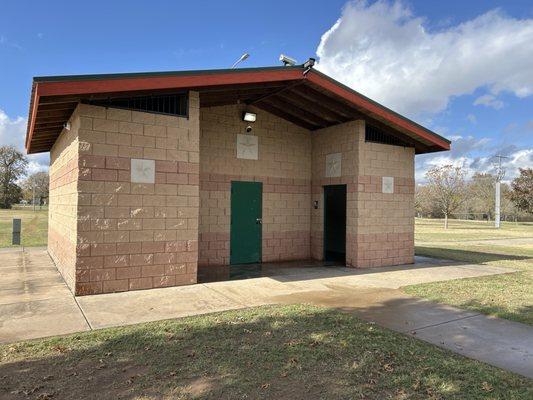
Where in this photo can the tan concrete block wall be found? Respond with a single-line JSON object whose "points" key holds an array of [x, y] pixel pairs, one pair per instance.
{"points": [[379, 226], [344, 139], [385, 222], [63, 201], [137, 235], [284, 168]]}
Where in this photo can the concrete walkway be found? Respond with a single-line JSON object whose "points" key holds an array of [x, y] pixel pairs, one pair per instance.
{"points": [[34, 302]]}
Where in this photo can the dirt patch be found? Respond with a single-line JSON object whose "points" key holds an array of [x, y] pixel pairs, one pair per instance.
{"points": [[87, 379]]}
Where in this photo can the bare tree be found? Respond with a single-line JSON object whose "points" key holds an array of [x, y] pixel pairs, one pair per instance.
{"points": [[424, 205], [481, 193], [36, 187], [446, 186], [12, 167]]}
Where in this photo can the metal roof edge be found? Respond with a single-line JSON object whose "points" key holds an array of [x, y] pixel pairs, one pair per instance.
{"points": [[380, 105], [126, 75]]}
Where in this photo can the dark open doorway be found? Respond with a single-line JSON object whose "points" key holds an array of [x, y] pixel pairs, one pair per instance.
{"points": [[335, 223]]}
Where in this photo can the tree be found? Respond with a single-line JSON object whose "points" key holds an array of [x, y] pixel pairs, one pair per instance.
{"points": [[12, 167], [424, 205], [36, 187], [521, 193], [446, 186], [481, 190]]}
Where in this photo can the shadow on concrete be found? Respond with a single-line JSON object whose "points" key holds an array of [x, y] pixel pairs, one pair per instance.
{"points": [[306, 269], [473, 256], [496, 341], [299, 353], [522, 314]]}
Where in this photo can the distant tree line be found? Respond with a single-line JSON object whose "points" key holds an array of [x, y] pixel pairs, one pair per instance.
{"points": [[448, 194], [15, 185]]}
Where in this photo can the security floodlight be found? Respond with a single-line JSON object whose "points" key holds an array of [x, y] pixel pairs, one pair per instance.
{"points": [[308, 65], [287, 61], [249, 117]]}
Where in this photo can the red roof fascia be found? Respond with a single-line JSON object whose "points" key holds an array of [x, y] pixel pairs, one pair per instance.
{"points": [[34, 103], [164, 82], [361, 101]]}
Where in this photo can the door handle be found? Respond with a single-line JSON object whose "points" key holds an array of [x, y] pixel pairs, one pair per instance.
{"points": [[259, 221]]}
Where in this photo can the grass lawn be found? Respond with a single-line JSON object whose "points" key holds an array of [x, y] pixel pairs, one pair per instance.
{"points": [[34, 226], [277, 352], [507, 296]]}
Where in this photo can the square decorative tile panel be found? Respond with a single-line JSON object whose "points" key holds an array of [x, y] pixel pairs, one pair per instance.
{"points": [[247, 147], [387, 184], [142, 171], [333, 165]]}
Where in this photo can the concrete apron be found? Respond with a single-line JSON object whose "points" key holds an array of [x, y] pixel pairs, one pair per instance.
{"points": [[38, 304], [34, 300], [372, 296]]}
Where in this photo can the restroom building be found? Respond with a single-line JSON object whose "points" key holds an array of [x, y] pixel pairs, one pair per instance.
{"points": [[155, 174]]}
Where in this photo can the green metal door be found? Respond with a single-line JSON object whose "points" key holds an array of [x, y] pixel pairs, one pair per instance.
{"points": [[246, 220]]}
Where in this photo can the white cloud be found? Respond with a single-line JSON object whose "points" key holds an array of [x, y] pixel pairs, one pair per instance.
{"points": [[8, 43], [12, 130], [385, 52], [471, 118], [465, 153], [489, 100], [13, 133]]}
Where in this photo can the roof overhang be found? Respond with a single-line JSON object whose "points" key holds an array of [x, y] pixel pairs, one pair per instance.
{"points": [[311, 100]]}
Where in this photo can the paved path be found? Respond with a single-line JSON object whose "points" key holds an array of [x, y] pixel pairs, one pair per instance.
{"points": [[34, 302]]}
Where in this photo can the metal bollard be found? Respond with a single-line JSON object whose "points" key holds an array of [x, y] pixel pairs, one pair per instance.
{"points": [[17, 227]]}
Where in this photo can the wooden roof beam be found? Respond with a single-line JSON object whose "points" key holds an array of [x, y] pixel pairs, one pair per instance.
{"points": [[284, 115], [297, 112], [313, 106]]}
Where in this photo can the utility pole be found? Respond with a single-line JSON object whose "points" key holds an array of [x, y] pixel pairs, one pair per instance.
{"points": [[33, 196], [500, 173]]}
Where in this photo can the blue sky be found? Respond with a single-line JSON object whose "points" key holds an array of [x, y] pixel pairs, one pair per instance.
{"points": [[462, 68]]}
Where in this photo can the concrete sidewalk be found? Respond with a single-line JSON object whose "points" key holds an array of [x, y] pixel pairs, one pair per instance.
{"points": [[34, 302]]}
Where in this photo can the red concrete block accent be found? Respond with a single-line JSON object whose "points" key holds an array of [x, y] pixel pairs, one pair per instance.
{"points": [[175, 178], [152, 270], [115, 286], [128, 272], [164, 281], [116, 261], [89, 262], [91, 161], [140, 283], [101, 249], [104, 174], [185, 279], [118, 163], [123, 176], [176, 269], [86, 288], [166, 166], [188, 168], [83, 250], [105, 274]]}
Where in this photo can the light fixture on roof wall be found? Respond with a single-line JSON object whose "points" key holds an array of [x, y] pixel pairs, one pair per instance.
{"points": [[287, 61], [249, 116], [241, 59]]}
